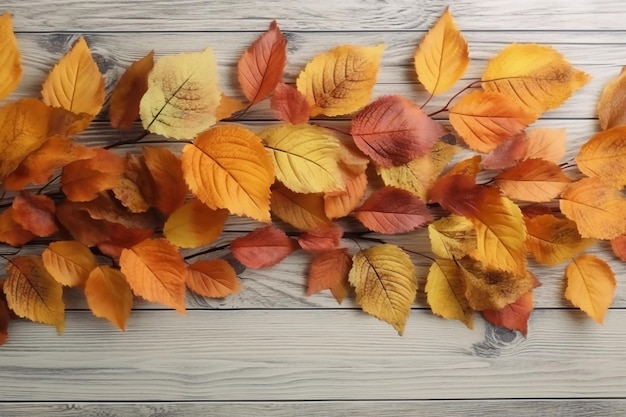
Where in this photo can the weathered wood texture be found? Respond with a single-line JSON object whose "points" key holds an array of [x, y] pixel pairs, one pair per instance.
{"points": [[270, 350]]}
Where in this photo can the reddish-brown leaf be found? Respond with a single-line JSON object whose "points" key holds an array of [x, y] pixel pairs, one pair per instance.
{"points": [[81, 225], [618, 245], [321, 241], [508, 153], [469, 167], [392, 210], [5, 317], [213, 278], [121, 237], [167, 173], [330, 271], [534, 180], [393, 131], [125, 99], [82, 180], [261, 66], [290, 105], [12, 232], [513, 316], [35, 213], [263, 247], [304, 211]]}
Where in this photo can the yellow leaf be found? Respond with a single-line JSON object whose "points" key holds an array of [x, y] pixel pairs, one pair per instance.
{"points": [[32, 293], [183, 95], [442, 56], [445, 290], [75, 83], [552, 240], [69, 262], [228, 167], [194, 224], [340, 81], [11, 68], [604, 156], [612, 103], [596, 207], [109, 296], [304, 211], [384, 280], [452, 237], [535, 77], [305, 157], [590, 285]]}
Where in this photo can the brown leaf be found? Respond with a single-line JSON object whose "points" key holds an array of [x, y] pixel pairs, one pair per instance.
{"points": [[321, 241], [125, 99], [35, 213], [533, 180], [69, 262], [121, 237], [290, 105], [508, 153], [513, 316], [213, 278], [169, 185], [612, 103], [263, 247], [12, 232], [84, 179], [304, 211], [109, 296], [81, 226], [329, 271], [5, 318]]}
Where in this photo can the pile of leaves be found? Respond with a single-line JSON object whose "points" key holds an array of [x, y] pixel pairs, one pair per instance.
{"points": [[114, 222]]}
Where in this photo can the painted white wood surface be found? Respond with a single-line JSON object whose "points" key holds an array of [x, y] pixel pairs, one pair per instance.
{"points": [[270, 350]]}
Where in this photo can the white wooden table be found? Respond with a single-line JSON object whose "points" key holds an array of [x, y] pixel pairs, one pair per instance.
{"points": [[270, 350]]}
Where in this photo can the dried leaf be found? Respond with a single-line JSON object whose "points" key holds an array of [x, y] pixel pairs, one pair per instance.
{"points": [[590, 285], [137, 188], [35, 213], [81, 226], [84, 179], [612, 103], [75, 83], [228, 106], [508, 153], [513, 316], [546, 144], [321, 241], [452, 237], [469, 167], [12, 232], [341, 80], [11, 69], [303, 211], [213, 278], [5, 317], [384, 280], [445, 289], [604, 156], [69, 262], [263, 247], [109, 296], [532, 180], [290, 105], [194, 225], [121, 237], [132, 85], [167, 174], [329, 271], [618, 245], [341, 203]]}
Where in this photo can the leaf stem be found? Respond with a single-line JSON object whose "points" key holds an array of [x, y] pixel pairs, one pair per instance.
{"points": [[334, 129], [128, 141], [207, 251], [458, 93]]}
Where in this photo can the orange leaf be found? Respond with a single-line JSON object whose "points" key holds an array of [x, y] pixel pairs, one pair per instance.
{"points": [[12, 232], [321, 241], [136, 188], [5, 317], [121, 237], [167, 173], [590, 285], [393, 131], [546, 144], [75, 83], [194, 224], [469, 167], [32, 293], [35, 213], [228, 106], [213, 278], [532, 180], [212, 167], [11, 69], [109, 296], [81, 226], [304, 211], [289, 105], [341, 203], [125, 99], [69, 262], [618, 245], [514, 316], [508, 153], [329, 271], [596, 207], [612, 103], [156, 271], [604, 156], [263, 247], [82, 180], [261, 66], [391, 210]]}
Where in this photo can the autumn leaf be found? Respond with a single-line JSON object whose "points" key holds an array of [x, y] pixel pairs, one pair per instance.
{"points": [[596, 207], [136, 188], [194, 225], [132, 85], [604, 156], [12, 232], [321, 241], [69, 262], [554, 240], [213, 278], [108, 295], [445, 290], [391, 210], [618, 245], [590, 285], [341, 80], [212, 167], [305, 157], [535, 77], [513, 316], [32, 293], [532, 180], [263, 247], [341, 203], [290, 105], [167, 174], [228, 106], [508, 153], [75, 83], [303, 211], [156, 271], [35, 213], [183, 95], [11, 69], [384, 280], [80, 225], [546, 144], [486, 119], [261, 66], [442, 56], [469, 167], [329, 271], [393, 131], [84, 179], [612, 104], [452, 237]]}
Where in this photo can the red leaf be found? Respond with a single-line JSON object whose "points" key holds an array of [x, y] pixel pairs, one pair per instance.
{"points": [[263, 247], [618, 245], [5, 316], [261, 65], [12, 232], [507, 153], [35, 213], [124, 103], [513, 316], [393, 131], [322, 241], [290, 105], [329, 271], [392, 210]]}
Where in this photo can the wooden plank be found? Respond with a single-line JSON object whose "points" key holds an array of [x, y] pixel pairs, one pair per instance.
{"points": [[347, 15], [312, 355], [474, 408]]}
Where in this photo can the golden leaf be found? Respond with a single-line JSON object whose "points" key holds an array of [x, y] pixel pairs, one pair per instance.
{"points": [[69, 262], [304, 211], [329, 271], [590, 285], [125, 99], [452, 237], [604, 156], [194, 225], [445, 290], [11, 69], [109, 296]]}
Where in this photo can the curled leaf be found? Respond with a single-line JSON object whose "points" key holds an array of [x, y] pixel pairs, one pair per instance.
{"points": [[341, 203], [35, 213], [166, 170]]}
